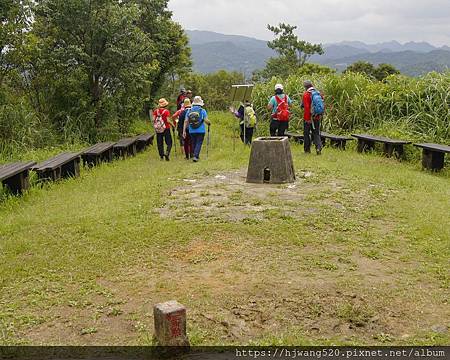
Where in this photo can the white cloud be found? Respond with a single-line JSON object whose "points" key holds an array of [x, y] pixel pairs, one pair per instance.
{"points": [[322, 20]]}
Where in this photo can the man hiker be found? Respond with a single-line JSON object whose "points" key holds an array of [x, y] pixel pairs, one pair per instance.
{"points": [[187, 143], [162, 125], [196, 118], [314, 108], [279, 106], [247, 121], [181, 98]]}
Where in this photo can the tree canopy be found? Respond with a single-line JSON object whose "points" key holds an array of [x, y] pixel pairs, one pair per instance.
{"points": [[379, 73], [293, 52]]}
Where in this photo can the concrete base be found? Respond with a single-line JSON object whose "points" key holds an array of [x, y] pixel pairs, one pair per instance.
{"points": [[170, 324], [271, 161]]}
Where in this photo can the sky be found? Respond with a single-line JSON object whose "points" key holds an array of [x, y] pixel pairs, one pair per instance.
{"points": [[322, 21]]}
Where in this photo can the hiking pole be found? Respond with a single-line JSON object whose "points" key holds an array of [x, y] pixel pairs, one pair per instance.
{"points": [[208, 141], [175, 141]]}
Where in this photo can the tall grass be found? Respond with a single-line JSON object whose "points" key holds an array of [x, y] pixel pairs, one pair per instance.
{"points": [[416, 107]]}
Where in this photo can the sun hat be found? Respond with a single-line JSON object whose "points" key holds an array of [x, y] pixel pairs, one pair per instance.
{"points": [[279, 87], [187, 102], [163, 102], [198, 101]]}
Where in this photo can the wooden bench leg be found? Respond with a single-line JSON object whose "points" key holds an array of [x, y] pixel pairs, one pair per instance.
{"points": [[91, 160], [71, 169], [388, 150], [365, 146], [50, 175], [432, 160], [18, 183]]}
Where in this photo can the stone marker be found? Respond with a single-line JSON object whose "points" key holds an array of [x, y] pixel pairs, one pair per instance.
{"points": [[170, 324], [271, 161]]}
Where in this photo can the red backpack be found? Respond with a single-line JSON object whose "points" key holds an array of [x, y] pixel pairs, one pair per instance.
{"points": [[283, 113]]}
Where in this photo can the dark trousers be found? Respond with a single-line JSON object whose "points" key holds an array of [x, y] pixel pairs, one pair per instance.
{"points": [[188, 149], [278, 128], [312, 135], [166, 137], [247, 139], [197, 142]]}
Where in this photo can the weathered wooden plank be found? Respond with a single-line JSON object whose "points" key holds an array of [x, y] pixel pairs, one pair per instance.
{"points": [[434, 147], [10, 170]]}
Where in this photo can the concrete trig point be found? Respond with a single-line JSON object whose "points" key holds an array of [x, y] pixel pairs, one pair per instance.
{"points": [[170, 324], [271, 161]]}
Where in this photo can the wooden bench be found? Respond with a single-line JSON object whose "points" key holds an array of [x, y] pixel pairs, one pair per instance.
{"points": [[144, 141], [391, 146], [433, 155], [298, 138], [336, 141], [15, 176], [125, 147], [64, 165], [102, 152]]}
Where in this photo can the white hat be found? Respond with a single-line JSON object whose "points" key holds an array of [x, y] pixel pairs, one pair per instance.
{"points": [[279, 87], [198, 101]]}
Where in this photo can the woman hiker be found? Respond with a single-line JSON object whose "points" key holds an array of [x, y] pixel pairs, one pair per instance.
{"points": [[162, 125], [195, 121], [187, 143], [247, 121]]}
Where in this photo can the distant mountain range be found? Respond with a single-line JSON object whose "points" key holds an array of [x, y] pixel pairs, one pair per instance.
{"points": [[213, 51]]}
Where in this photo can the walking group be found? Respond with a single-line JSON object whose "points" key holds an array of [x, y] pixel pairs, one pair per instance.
{"points": [[279, 106], [313, 110], [190, 121]]}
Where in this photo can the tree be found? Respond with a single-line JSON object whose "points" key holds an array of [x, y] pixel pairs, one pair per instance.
{"points": [[293, 52], [385, 70], [15, 20], [377, 73], [109, 54]]}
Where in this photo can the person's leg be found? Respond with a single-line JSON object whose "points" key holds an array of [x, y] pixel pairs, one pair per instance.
{"points": [[284, 126], [316, 134], [307, 136], [198, 145], [242, 132], [160, 142], [187, 147], [191, 148], [250, 135], [169, 142], [273, 127]]}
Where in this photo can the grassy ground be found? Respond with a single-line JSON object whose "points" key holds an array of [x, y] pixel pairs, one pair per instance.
{"points": [[356, 252]]}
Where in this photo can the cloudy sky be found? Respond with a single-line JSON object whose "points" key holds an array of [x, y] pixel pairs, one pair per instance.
{"points": [[322, 21]]}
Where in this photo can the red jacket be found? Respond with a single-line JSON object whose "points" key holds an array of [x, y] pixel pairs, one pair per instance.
{"points": [[307, 101]]}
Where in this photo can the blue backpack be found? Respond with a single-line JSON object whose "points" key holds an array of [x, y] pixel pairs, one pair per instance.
{"points": [[317, 103]]}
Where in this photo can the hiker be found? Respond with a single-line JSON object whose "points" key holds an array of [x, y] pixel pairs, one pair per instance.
{"points": [[279, 105], [162, 125], [181, 98], [247, 121], [196, 118], [186, 139], [314, 108], [189, 95]]}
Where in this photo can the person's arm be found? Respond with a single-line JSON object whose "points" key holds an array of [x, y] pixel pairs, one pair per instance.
{"points": [[270, 105], [185, 126], [205, 114]]}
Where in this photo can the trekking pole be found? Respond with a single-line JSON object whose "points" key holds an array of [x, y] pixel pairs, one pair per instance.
{"points": [[208, 141], [175, 141]]}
